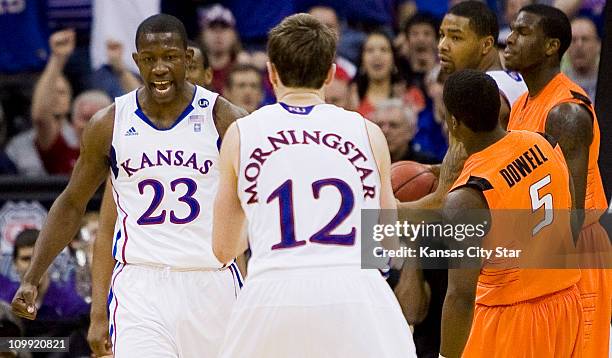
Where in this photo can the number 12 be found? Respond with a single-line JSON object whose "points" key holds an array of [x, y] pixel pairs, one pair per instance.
{"points": [[284, 193]]}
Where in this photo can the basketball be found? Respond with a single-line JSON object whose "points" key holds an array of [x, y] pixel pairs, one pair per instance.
{"points": [[411, 180]]}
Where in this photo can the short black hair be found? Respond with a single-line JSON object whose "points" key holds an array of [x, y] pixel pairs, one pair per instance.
{"points": [[472, 97], [26, 238], [161, 23], [483, 20], [555, 24], [198, 45], [422, 18]]}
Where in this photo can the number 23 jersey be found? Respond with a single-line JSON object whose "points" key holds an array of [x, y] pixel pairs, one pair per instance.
{"points": [[164, 184], [304, 175]]}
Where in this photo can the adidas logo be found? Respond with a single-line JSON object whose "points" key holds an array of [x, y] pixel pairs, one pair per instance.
{"points": [[130, 132]]}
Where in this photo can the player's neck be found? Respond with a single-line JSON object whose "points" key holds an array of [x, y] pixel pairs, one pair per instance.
{"points": [[164, 115], [537, 78], [300, 96], [490, 62], [484, 140]]}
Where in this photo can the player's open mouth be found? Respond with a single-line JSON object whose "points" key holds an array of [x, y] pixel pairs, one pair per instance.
{"points": [[161, 87]]}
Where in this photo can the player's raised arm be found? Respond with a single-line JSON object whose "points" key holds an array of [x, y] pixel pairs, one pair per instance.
{"points": [[101, 272], [228, 217], [65, 215], [458, 308], [572, 126]]}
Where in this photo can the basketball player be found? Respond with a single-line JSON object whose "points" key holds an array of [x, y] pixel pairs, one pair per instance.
{"points": [[300, 171], [468, 40], [170, 296], [199, 73], [556, 105], [519, 312]]}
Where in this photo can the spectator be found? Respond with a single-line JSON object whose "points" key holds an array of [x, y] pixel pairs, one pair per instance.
{"points": [[338, 92], [57, 139], [243, 87], [431, 137], [199, 71], [399, 125], [584, 55], [421, 33], [114, 77], [378, 77], [220, 40], [70, 14], [61, 311], [327, 16]]}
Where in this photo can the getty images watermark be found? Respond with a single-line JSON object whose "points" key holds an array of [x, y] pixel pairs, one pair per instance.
{"points": [[497, 239]]}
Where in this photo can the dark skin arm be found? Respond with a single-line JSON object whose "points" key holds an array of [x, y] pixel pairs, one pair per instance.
{"points": [[458, 308], [65, 216], [101, 273], [504, 112], [572, 126], [226, 113]]}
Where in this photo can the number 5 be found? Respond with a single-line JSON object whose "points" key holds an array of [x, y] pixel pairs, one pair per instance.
{"points": [[537, 202]]}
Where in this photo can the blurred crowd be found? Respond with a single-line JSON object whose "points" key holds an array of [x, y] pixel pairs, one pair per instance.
{"points": [[63, 60]]}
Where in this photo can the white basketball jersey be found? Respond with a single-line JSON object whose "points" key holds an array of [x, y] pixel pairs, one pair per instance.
{"points": [[164, 184], [511, 84], [305, 174]]}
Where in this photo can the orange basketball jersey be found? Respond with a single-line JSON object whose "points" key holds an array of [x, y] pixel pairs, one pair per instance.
{"points": [[522, 171], [530, 113]]}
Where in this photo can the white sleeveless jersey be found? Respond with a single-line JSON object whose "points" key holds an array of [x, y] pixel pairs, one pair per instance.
{"points": [[510, 83], [305, 174], [164, 184]]}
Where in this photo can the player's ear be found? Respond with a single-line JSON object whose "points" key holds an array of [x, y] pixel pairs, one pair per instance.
{"points": [[272, 74], [330, 74], [552, 46], [135, 57], [208, 75], [488, 44], [189, 54]]}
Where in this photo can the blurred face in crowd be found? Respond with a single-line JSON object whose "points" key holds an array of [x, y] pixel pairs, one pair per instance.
{"points": [[23, 259], [219, 38], [377, 58], [245, 90], [585, 47], [338, 93], [421, 41], [459, 47], [82, 113], [63, 97], [162, 61], [327, 16], [398, 127], [196, 73]]}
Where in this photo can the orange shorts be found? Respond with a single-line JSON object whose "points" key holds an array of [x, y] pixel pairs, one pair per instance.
{"points": [[595, 287], [549, 326]]}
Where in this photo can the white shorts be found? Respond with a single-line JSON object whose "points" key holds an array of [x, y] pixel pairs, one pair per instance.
{"points": [[317, 313], [156, 312]]}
